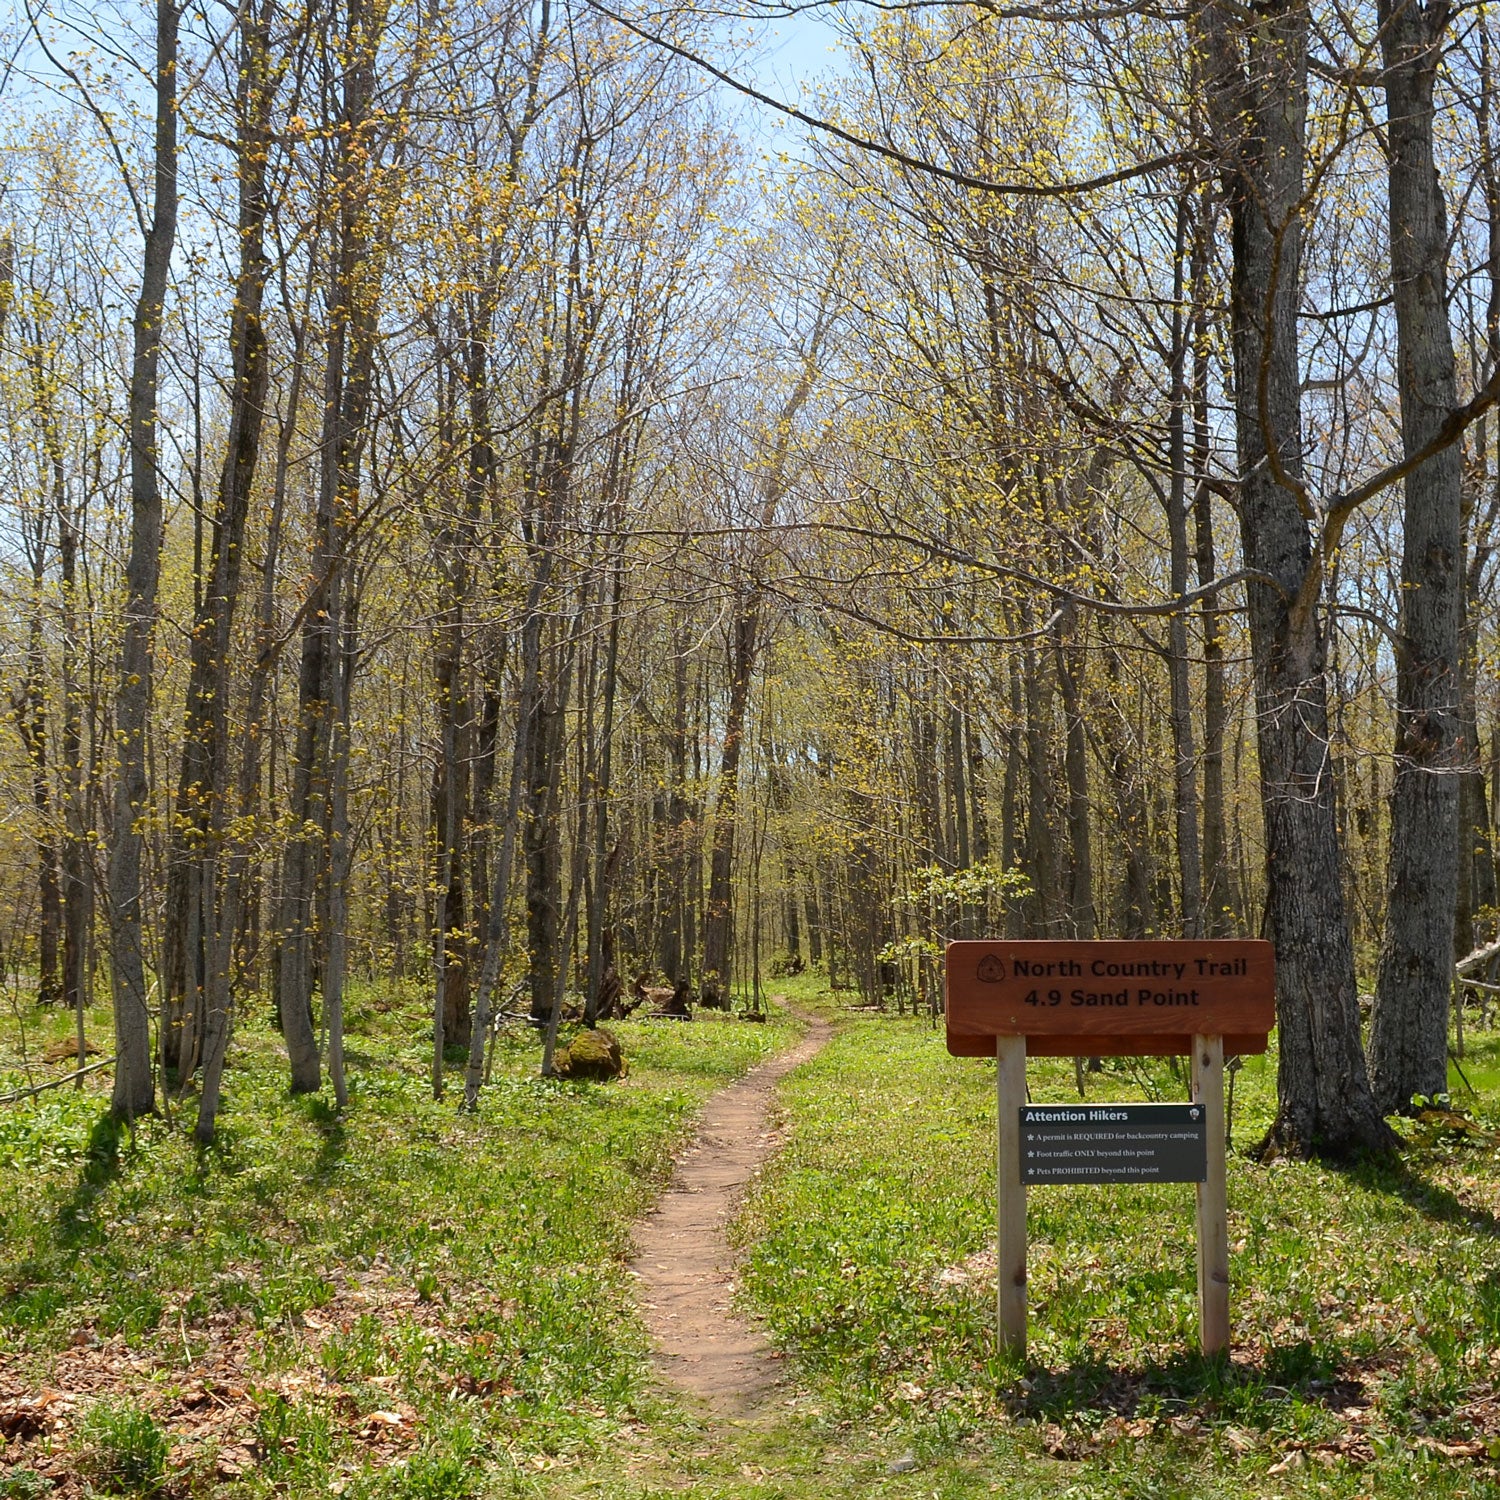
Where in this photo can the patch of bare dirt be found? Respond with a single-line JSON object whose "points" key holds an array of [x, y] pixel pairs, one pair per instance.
{"points": [[687, 1271]]}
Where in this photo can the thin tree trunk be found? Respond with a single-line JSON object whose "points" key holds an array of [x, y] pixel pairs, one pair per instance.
{"points": [[1040, 855], [135, 1083], [192, 984], [1218, 917], [599, 904], [340, 856], [1081, 913], [29, 704], [1184, 751], [718, 917], [77, 889], [232, 951], [349, 362], [497, 936]]}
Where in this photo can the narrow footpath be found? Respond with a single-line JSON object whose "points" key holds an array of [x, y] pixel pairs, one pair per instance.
{"points": [[687, 1271]]}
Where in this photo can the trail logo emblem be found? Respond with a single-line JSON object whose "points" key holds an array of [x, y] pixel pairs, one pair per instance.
{"points": [[991, 970]]}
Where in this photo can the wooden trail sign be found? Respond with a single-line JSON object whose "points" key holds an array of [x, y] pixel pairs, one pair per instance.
{"points": [[1101, 999], [1110, 999]]}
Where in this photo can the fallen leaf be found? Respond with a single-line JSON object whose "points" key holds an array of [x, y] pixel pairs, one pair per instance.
{"points": [[234, 1461], [1472, 1449]]}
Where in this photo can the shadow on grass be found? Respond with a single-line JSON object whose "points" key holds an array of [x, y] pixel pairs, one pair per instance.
{"points": [[1298, 1371], [101, 1165], [1396, 1177], [41, 1284], [334, 1145]]}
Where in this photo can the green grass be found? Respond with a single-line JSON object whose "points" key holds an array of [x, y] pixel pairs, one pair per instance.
{"points": [[123, 1449], [1366, 1309], [409, 1304], [270, 1298]]}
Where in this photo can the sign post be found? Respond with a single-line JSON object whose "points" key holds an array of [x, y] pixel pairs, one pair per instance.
{"points": [[1213, 1199], [1118, 999], [1010, 1261]]}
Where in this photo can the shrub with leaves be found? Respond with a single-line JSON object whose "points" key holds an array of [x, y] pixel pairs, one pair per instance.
{"points": [[123, 1449]]}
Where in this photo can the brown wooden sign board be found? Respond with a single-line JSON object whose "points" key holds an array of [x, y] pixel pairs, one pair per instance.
{"points": [[1115, 998], [1111, 999]]}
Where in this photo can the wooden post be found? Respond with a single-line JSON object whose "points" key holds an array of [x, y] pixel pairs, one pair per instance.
{"points": [[1010, 1264], [1213, 1198]]}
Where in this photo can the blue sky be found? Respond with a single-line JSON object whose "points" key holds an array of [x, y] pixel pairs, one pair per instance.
{"points": [[785, 59]]}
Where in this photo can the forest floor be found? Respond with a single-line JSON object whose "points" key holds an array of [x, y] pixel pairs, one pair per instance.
{"points": [[407, 1302]]}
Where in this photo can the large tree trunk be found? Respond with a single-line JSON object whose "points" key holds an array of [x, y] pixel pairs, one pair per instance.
{"points": [[237, 868], [1409, 1028], [135, 1082], [1258, 102]]}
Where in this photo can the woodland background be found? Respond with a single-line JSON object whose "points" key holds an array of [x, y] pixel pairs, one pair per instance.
{"points": [[470, 518]]}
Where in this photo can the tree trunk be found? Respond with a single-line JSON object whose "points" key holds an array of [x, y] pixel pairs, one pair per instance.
{"points": [[340, 854], [1124, 759], [1258, 103], [1179, 668], [603, 863], [1218, 882], [77, 870], [450, 801], [30, 707], [1040, 857], [192, 985], [135, 1083], [349, 364], [1081, 914], [497, 935], [718, 916], [76, 889], [1409, 1027], [543, 847]]}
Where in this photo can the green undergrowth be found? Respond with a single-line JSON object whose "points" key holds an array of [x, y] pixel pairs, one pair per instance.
{"points": [[405, 1303], [400, 1300], [1366, 1302]]}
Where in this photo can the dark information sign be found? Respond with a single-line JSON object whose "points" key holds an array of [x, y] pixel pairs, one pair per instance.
{"points": [[1113, 1143]]}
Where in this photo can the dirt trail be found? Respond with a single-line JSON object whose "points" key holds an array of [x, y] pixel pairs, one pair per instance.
{"points": [[686, 1269]]}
